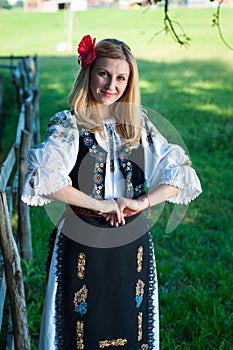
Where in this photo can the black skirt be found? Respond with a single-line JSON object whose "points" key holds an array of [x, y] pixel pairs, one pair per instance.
{"points": [[105, 297]]}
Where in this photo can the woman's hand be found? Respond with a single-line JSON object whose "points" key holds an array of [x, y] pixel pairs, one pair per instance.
{"points": [[126, 207], [109, 209], [129, 207]]}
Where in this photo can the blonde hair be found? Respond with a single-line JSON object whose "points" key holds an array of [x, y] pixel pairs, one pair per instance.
{"points": [[127, 113]]}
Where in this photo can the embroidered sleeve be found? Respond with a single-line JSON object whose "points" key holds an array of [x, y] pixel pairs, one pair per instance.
{"points": [[49, 165], [167, 163]]}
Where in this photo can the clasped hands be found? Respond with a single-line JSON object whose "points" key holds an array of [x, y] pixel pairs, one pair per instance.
{"points": [[116, 210]]}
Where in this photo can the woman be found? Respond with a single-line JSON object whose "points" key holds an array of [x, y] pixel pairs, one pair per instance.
{"points": [[100, 159]]}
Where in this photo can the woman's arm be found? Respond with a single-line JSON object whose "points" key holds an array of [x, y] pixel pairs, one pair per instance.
{"points": [[72, 196], [158, 195], [129, 207]]}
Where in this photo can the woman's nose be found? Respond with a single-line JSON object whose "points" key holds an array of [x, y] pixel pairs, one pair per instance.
{"points": [[110, 84]]}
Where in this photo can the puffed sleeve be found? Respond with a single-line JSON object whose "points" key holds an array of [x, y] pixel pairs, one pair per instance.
{"points": [[167, 163], [49, 165]]}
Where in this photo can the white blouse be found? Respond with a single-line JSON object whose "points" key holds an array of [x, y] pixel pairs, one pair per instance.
{"points": [[49, 165]]}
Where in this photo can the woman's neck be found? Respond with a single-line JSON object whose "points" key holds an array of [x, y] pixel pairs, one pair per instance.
{"points": [[104, 111]]}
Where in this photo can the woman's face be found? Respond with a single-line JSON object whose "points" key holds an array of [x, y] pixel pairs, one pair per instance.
{"points": [[108, 79]]}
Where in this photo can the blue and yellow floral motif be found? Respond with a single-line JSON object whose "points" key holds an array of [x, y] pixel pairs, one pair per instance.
{"points": [[139, 292], [79, 301]]}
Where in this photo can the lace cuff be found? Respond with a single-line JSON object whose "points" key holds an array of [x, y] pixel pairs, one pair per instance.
{"points": [[33, 194], [185, 178]]}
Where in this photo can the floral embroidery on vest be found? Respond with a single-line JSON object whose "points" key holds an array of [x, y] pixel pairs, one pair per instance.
{"points": [[99, 169], [139, 190], [127, 170], [100, 157]]}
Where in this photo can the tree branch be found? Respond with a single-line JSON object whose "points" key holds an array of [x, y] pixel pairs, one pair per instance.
{"points": [[172, 27], [216, 22], [169, 27]]}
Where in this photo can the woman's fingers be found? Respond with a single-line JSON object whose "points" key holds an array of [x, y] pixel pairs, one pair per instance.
{"points": [[111, 217], [120, 217], [117, 217], [119, 209]]}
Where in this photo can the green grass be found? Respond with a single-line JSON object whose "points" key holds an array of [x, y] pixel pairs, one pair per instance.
{"points": [[192, 88]]}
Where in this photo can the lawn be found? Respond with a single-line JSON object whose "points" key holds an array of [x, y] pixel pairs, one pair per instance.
{"points": [[192, 89]]}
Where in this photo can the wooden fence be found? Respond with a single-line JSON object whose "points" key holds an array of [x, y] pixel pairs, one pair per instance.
{"points": [[17, 243]]}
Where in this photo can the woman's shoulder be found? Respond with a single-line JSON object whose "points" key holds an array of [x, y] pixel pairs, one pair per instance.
{"points": [[146, 122], [150, 131], [62, 126], [64, 118]]}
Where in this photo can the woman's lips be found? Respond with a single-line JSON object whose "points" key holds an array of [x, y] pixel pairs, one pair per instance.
{"points": [[108, 94]]}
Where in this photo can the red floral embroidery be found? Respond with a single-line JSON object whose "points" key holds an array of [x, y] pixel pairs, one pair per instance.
{"points": [[86, 50]]}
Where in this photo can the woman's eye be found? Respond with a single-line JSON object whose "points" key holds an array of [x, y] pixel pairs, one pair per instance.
{"points": [[120, 78], [103, 74]]}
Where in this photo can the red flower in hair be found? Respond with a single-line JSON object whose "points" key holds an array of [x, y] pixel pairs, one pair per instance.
{"points": [[86, 50]]}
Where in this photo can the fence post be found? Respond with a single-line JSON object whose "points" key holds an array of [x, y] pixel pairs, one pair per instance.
{"points": [[36, 131], [23, 209], [28, 114], [14, 279], [25, 78], [2, 288]]}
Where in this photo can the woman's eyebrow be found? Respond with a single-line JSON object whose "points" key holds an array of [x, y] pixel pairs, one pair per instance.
{"points": [[101, 68]]}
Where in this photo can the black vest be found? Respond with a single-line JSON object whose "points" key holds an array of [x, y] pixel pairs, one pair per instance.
{"points": [[88, 174]]}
